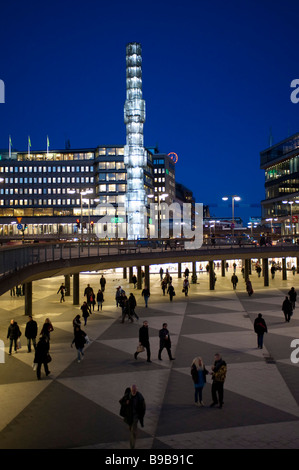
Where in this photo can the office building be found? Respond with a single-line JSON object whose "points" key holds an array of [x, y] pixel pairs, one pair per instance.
{"points": [[281, 204]]}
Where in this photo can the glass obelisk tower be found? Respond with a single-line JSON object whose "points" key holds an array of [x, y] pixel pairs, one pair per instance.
{"points": [[135, 156]]}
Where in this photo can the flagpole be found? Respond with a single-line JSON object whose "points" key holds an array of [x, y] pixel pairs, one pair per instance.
{"points": [[9, 151], [47, 145]]}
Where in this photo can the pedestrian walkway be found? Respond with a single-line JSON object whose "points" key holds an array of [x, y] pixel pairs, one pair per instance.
{"points": [[77, 405]]}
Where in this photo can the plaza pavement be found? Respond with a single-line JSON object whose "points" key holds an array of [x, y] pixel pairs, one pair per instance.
{"points": [[77, 405]]}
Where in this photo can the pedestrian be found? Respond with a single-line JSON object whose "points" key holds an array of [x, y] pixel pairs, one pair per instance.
{"points": [[187, 272], [219, 370], [124, 306], [85, 312], [88, 293], [47, 329], [13, 334], [79, 340], [100, 299], [118, 295], [259, 270], [62, 292], [198, 373], [132, 304], [161, 273], [42, 356], [260, 328], [234, 280], [287, 309], [249, 287], [76, 322], [31, 333], [273, 269], [92, 301], [133, 410], [145, 294], [144, 341], [293, 270], [171, 292], [163, 285], [186, 286], [134, 280], [103, 283], [165, 342], [293, 297]]}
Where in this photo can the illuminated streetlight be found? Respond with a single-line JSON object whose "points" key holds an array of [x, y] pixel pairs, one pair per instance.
{"points": [[234, 198]]}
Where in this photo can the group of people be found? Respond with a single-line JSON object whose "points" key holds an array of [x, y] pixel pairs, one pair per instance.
{"points": [[166, 284], [144, 344], [41, 348], [127, 304], [132, 403]]}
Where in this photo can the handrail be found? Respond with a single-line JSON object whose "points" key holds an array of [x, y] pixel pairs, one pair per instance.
{"points": [[17, 257]]}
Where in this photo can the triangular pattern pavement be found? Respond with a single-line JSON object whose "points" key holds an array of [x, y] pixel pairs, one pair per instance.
{"points": [[261, 391]]}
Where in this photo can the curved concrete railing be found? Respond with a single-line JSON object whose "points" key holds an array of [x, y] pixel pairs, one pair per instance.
{"points": [[23, 263]]}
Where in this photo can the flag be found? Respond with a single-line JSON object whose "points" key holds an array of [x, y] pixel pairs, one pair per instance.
{"points": [[10, 142], [29, 141], [48, 143]]}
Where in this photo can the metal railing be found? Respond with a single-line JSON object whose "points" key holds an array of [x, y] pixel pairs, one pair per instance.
{"points": [[14, 258]]}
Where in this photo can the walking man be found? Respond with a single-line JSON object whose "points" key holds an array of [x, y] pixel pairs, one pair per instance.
{"points": [[234, 280], [145, 294], [218, 376], [287, 309], [293, 297], [62, 292], [144, 341], [133, 410], [260, 328], [13, 334], [31, 333], [103, 283], [165, 342]]}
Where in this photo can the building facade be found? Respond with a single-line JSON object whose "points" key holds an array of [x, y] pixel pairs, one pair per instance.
{"points": [[281, 204], [60, 193]]}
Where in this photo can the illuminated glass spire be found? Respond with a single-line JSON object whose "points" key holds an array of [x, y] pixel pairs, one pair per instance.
{"points": [[135, 155]]}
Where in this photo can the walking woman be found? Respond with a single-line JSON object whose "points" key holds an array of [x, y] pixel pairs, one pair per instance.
{"points": [[198, 373]]}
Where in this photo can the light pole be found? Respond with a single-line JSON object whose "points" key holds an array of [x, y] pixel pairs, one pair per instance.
{"points": [[234, 198]]}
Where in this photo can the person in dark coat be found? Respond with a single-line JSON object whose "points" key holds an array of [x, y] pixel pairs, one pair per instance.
{"points": [[85, 312], [146, 295], [76, 322], [42, 355], [234, 280], [31, 333], [165, 342], [79, 340], [133, 410], [287, 309], [103, 283], [47, 328], [100, 299], [144, 341], [293, 297], [260, 328], [62, 290], [171, 292], [13, 334], [132, 305]]}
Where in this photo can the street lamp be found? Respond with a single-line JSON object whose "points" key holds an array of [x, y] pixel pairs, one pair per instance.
{"points": [[234, 198]]}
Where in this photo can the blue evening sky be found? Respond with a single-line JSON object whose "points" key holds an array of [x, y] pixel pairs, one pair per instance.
{"points": [[216, 79]]}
